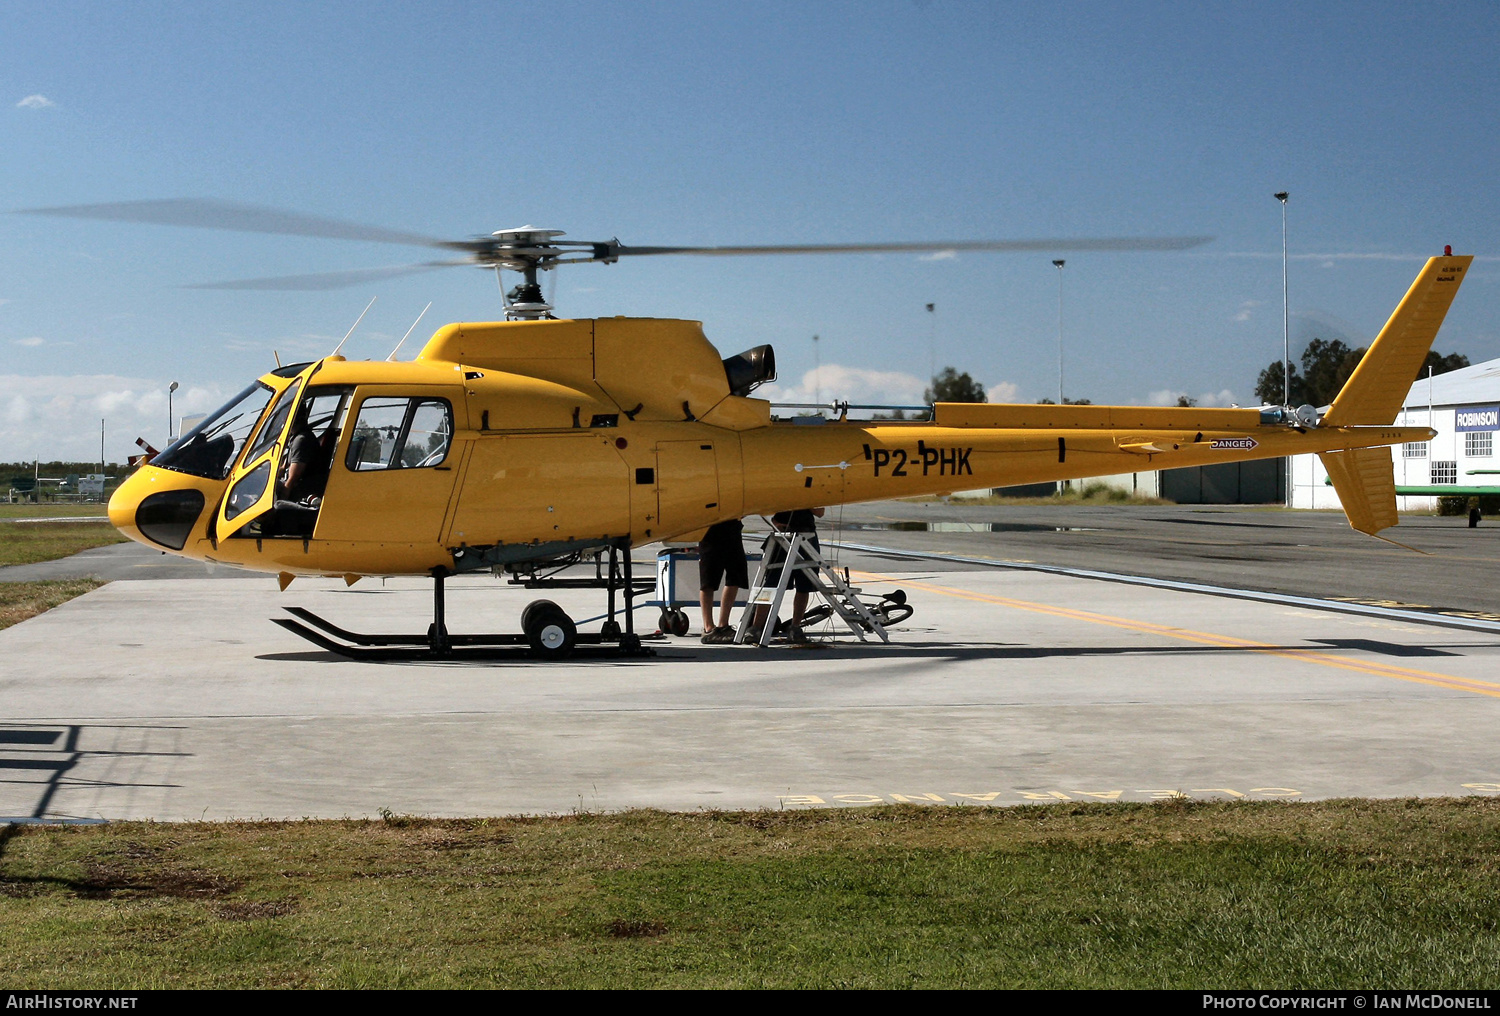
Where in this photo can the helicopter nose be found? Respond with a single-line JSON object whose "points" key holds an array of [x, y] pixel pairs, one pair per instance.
{"points": [[157, 507]]}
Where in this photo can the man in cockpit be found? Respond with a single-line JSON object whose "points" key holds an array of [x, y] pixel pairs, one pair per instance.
{"points": [[307, 464]]}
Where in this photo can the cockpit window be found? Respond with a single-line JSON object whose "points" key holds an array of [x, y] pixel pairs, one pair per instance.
{"points": [[427, 435], [210, 449], [400, 434], [275, 423]]}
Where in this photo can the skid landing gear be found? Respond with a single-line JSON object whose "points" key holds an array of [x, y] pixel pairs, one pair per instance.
{"points": [[547, 632]]}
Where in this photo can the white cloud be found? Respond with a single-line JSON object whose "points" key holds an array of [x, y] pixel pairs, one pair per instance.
{"points": [[17, 410], [939, 255], [57, 417], [35, 102], [1169, 397], [1245, 310], [836, 382], [848, 384], [31, 340], [1002, 391]]}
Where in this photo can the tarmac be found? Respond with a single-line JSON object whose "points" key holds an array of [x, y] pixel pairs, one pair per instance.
{"points": [[1018, 680]]}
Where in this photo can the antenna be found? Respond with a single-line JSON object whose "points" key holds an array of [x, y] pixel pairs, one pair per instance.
{"points": [[277, 357], [410, 330], [354, 326]]}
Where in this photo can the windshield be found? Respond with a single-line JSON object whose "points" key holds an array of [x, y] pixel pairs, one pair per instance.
{"points": [[209, 449]]}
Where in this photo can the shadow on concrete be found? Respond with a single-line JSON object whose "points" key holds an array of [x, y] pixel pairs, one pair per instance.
{"points": [[1384, 648], [47, 753], [854, 652]]}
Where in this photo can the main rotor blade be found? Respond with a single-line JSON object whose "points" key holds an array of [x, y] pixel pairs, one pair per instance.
{"points": [[328, 280], [1105, 243], [209, 214]]}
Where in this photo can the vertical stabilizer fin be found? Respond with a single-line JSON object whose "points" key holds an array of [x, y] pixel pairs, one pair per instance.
{"points": [[1375, 391], [1365, 480]]}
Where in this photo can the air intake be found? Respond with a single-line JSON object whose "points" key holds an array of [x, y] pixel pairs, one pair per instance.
{"points": [[751, 368]]}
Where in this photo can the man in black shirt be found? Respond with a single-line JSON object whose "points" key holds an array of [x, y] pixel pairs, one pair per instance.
{"points": [[721, 555], [306, 472]]}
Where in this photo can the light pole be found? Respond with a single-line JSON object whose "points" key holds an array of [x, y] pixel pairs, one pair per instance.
{"points": [[817, 373], [1286, 337], [1058, 264], [932, 340], [1286, 320], [170, 389]]}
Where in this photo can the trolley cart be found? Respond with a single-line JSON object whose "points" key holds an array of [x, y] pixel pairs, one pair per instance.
{"points": [[677, 586]]}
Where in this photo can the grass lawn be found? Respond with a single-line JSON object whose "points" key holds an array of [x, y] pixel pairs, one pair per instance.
{"points": [[29, 542], [20, 600], [1173, 894], [50, 510]]}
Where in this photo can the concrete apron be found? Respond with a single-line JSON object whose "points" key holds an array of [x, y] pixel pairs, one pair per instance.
{"points": [[177, 699]]}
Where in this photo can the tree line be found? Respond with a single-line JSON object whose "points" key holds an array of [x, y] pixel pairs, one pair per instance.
{"points": [[1326, 365]]}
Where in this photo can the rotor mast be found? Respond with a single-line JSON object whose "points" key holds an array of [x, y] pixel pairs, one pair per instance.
{"points": [[526, 250]]}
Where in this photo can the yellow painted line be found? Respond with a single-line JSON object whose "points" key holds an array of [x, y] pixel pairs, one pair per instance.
{"points": [[1208, 638]]}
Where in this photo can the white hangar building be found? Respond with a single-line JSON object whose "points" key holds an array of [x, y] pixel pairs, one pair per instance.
{"points": [[1463, 406]]}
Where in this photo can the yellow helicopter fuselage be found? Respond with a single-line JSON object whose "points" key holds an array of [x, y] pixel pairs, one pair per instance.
{"points": [[569, 434]]}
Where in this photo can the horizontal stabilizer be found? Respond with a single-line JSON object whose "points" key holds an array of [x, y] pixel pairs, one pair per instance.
{"points": [[1365, 480], [1376, 390]]}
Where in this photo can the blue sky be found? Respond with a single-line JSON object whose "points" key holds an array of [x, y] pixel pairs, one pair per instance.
{"points": [[740, 123]]}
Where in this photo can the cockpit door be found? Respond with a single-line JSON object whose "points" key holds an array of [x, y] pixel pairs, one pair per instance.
{"points": [[393, 474], [252, 485]]}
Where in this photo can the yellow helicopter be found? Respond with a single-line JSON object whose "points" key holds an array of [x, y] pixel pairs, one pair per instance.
{"points": [[529, 444]]}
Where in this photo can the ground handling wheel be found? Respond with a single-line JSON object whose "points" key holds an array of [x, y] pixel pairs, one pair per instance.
{"points": [[550, 632], [532, 608], [673, 622]]}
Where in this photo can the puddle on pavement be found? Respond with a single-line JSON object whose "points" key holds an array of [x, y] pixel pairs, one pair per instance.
{"points": [[966, 527]]}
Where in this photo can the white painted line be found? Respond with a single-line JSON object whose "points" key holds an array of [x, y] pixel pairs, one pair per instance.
{"points": [[1337, 606]]}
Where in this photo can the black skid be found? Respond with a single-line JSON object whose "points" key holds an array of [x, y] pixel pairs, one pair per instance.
{"points": [[393, 648], [438, 643], [361, 639]]}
